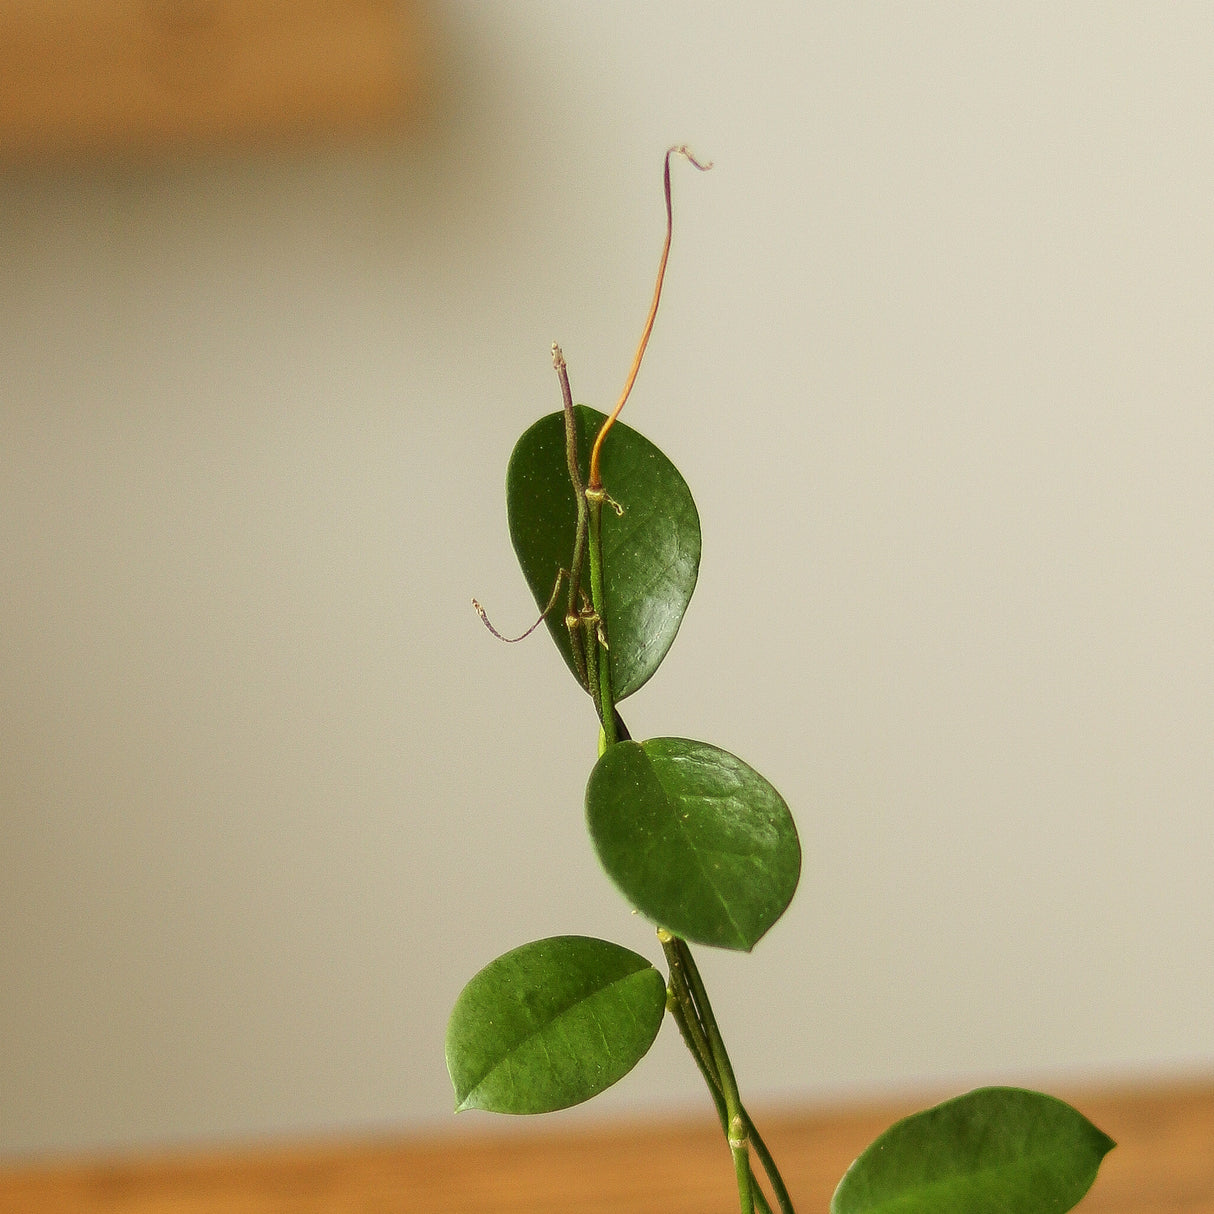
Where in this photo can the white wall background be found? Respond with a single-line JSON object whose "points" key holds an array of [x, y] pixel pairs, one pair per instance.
{"points": [[934, 357]]}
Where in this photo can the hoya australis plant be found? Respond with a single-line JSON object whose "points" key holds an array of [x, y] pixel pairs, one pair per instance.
{"points": [[608, 537]]}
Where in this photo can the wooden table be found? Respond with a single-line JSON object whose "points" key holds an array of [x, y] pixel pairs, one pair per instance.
{"points": [[1164, 1164]]}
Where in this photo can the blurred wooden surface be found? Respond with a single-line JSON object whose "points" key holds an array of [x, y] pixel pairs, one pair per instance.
{"points": [[84, 77], [1163, 1164]]}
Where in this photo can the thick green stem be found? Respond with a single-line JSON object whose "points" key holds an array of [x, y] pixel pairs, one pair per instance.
{"points": [[606, 701]]}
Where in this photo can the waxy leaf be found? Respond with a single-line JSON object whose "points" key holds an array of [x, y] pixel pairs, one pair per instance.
{"points": [[696, 840], [552, 1023], [651, 546], [993, 1151]]}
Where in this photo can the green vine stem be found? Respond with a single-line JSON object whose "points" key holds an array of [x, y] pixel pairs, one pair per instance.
{"points": [[687, 997], [683, 1008], [605, 700], [692, 1010]]}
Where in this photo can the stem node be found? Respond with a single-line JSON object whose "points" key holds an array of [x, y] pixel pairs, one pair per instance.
{"points": [[739, 1135]]}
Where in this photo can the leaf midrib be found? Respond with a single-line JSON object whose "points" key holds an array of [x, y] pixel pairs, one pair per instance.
{"points": [[539, 1031]]}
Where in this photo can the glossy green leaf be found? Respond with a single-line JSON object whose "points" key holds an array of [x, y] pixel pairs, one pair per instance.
{"points": [[651, 550], [551, 1024], [697, 841], [993, 1151]]}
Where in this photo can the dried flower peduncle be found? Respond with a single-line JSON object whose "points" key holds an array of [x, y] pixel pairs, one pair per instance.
{"points": [[594, 480], [561, 574]]}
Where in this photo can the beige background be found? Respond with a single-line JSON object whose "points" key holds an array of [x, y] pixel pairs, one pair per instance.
{"points": [[935, 359]]}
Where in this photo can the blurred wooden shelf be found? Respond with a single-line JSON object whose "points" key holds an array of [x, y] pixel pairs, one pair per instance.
{"points": [[78, 77], [1163, 1164]]}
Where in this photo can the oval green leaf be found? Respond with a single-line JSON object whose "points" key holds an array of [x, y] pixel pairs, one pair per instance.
{"points": [[993, 1151], [651, 548], [696, 840], [551, 1024]]}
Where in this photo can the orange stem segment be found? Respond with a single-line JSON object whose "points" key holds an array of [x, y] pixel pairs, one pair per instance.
{"points": [[594, 480]]}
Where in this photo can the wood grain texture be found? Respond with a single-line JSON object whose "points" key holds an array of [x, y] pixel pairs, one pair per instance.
{"points": [[82, 77], [1163, 1164]]}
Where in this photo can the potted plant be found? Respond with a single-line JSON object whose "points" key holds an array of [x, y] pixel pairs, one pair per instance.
{"points": [[608, 538]]}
